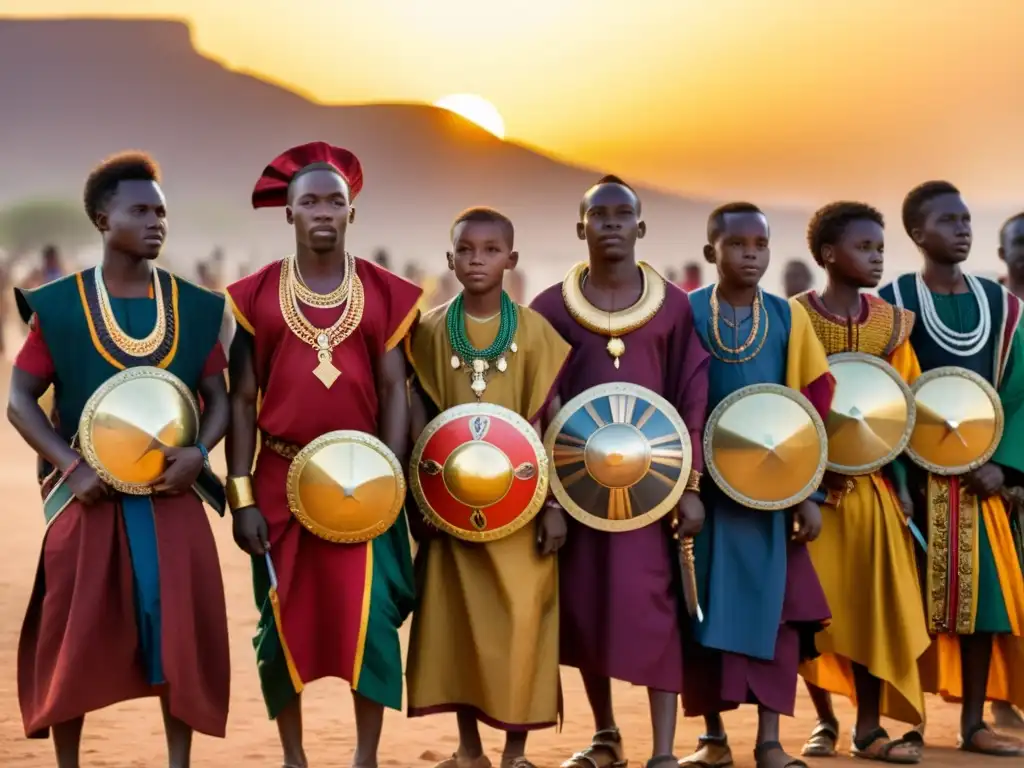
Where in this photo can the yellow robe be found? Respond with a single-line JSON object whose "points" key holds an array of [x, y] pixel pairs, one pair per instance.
{"points": [[865, 555], [485, 632]]}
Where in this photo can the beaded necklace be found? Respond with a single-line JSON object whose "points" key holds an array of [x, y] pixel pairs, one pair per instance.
{"points": [[961, 344], [478, 361]]}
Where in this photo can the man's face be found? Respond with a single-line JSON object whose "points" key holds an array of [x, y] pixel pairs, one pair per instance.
{"points": [[319, 210]]}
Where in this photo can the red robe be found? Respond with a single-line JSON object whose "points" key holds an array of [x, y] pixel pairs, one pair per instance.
{"points": [[330, 626]]}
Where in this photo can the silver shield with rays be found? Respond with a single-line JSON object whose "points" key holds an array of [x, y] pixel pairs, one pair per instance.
{"points": [[620, 457]]}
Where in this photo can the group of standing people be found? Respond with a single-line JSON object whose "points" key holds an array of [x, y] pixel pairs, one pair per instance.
{"points": [[128, 601]]}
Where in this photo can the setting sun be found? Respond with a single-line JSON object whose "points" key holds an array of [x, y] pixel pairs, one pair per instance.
{"points": [[476, 109]]}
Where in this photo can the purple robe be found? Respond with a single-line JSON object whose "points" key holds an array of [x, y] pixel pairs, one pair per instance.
{"points": [[620, 598]]}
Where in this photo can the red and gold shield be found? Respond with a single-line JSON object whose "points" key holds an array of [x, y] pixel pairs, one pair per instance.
{"points": [[479, 472]]}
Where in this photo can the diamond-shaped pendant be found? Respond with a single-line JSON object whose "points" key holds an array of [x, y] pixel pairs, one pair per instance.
{"points": [[327, 373]]}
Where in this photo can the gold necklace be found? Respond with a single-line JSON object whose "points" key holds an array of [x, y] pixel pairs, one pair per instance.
{"points": [[755, 326], [311, 298], [128, 344], [322, 340], [615, 324]]}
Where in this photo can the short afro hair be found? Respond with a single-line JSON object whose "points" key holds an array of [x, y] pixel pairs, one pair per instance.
{"points": [[489, 215], [609, 179], [1009, 223], [102, 183], [829, 223], [716, 219], [919, 197]]}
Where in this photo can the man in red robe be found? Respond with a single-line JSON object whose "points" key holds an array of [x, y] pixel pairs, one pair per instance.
{"points": [[339, 606]]}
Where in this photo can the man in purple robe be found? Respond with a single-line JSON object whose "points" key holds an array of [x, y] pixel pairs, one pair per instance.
{"points": [[620, 599]]}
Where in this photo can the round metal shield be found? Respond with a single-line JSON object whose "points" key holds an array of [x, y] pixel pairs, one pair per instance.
{"points": [[872, 414], [621, 457], [479, 472], [346, 487], [129, 420], [766, 447], [959, 421]]}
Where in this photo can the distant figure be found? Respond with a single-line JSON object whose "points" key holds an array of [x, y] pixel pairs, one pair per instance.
{"points": [[427, 283], [380, 257], [797, 277], [210, 271], [447, 287], [672, 275], [49, 270], [4, 304], [206, 277], [1011, 253], [693, 277]]}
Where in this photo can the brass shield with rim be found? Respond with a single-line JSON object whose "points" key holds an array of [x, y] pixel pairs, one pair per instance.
{"points": [[127, 422], [620, 457], [872, 414], [765, 446], [346, 487], [479, 472], [959, 421]]}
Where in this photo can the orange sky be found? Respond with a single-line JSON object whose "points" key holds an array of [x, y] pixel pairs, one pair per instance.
{"points": [[779, 100]]}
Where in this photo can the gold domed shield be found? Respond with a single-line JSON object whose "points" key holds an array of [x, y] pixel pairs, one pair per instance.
{"points": [[959, 421], [346, 487], [872, 414], [620, 457], [479, 472], [129, 420], [765, 446]]}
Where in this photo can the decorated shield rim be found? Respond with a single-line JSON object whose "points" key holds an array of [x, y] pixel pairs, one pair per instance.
{"points": [[455, 413], [819, 425], [675, 493], [334, 438], [908, 396], [997, 407], [85, 442]]}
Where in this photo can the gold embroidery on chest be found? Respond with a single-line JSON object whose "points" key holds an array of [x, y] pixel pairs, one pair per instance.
{"points": [[872, 336]]}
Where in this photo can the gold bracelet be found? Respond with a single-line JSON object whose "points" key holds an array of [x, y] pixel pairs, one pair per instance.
{"points": [[693, 483], [239, 492]]}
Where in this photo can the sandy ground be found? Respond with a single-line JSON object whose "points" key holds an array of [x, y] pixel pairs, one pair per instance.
{"points": [[131, 734]]}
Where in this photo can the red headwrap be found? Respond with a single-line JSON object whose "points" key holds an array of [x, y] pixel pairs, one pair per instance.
{"points": [[271, 190]]}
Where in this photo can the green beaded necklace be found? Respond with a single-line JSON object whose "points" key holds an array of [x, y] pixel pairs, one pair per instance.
{"points": [[479, 360]]}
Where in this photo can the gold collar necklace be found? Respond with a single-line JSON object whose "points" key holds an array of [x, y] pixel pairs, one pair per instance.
{"points": [[615, 324]]}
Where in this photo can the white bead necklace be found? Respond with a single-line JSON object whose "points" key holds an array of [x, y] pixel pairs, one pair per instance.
{"points": [[961, 344]]}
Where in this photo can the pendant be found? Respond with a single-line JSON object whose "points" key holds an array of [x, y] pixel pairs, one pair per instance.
{"points": [[456, 363], [513, 348], [478, 384], [616, 348], [325, 370], [502, 365]]}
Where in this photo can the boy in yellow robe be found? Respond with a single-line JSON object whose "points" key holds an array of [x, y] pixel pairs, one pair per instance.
{"points": [[484, 640], [865, 555]]}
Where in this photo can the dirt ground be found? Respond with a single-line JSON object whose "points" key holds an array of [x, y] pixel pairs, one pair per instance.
{"points": [[131, 734]]}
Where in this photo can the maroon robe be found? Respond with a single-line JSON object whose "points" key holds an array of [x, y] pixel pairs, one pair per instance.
{"points": [[620, 597]]}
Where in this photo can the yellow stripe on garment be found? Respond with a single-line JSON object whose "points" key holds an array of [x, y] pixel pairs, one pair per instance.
{"points": [[92, 328], [997, 525], [364, 621], [293, 671], [241, 319], [174, 313], [402, 330]]}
